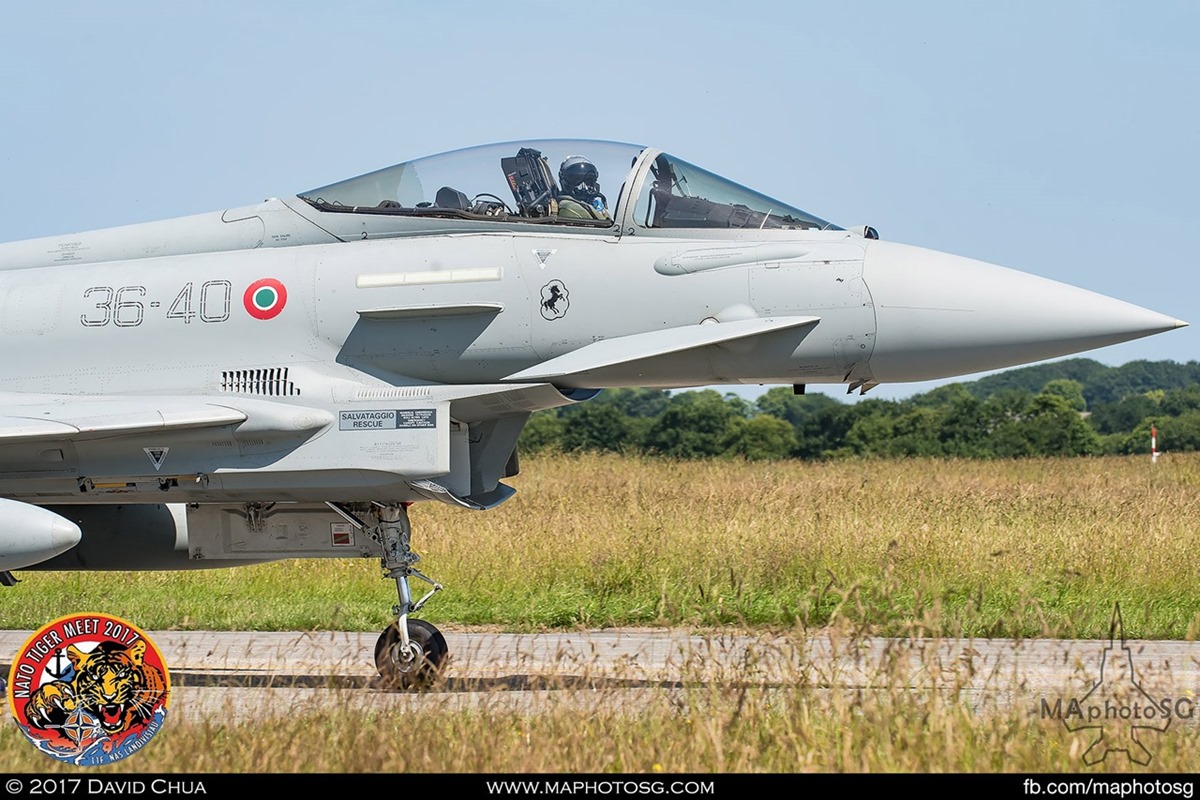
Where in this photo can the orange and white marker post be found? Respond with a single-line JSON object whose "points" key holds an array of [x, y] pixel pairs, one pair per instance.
{"points": [[1153, 445]]}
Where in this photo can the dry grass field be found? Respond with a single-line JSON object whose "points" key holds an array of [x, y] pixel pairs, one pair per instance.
{"points": [[979, 548], [1031, 548]]}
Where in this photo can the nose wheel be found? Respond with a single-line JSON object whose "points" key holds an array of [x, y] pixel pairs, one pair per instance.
{"points": [[415, 664], [410, 653]]}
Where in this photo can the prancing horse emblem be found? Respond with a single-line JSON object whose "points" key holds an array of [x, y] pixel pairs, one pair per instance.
{"points": [[555, 300]]}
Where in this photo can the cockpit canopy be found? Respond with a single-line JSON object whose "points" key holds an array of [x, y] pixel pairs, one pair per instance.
{"points": [[520, 182]]}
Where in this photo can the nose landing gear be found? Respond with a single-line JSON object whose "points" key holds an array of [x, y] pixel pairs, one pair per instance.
{"points": [[410, 653]]}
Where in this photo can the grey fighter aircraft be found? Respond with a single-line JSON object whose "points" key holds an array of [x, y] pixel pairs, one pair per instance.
{"points": [[284, 380]]}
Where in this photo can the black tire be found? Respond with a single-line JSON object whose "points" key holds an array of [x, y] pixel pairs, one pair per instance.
{"points": [[420, 673]]}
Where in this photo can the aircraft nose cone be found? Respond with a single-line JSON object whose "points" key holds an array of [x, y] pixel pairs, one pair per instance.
{"points": [[940, 315]]}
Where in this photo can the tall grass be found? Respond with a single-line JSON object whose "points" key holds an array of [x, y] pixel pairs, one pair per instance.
{"points": [[904, 548], [981, 548], [904, 711]]}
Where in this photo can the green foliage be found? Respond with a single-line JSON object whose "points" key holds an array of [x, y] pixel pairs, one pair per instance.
{"points": [[1059, 409], [760, 438], [1054, 428], [599, 428], [630, 402], [1174, 434], [1178, 402], [965, 431], [1101, 384], [1141, 376], [542, 433], [782, 403], [1031, 379], [889, 429], [695, 424], [823, 434], [946, 395], [1069, 390], [1124, 415]]}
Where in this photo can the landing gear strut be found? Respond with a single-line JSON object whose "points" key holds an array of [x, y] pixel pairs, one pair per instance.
{"points": [[410, 653]]}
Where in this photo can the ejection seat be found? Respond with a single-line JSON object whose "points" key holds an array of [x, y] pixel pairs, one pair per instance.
{"points": [[451, 198]]}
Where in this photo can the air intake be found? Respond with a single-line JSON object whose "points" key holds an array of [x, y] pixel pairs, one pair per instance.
{"points": [[266, 382]]}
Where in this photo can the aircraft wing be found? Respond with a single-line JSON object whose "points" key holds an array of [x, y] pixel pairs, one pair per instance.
{"points": [[446, 442], [657, 353], [49, 443], [34, 418]]}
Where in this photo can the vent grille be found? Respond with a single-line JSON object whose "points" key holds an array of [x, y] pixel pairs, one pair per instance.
{"points": [[395, 393], [267, 382]]}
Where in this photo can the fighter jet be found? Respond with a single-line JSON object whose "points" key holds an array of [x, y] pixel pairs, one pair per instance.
{"points": [[284, 380]]}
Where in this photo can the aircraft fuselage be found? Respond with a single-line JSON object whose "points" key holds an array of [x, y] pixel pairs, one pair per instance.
{"points": [[400, 308]]}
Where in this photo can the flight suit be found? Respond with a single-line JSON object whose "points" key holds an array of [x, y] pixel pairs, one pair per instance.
{"points": [[570, 208]]}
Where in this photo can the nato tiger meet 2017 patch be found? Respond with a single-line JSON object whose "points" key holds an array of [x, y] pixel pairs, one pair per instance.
{"points": [[89, 689]]}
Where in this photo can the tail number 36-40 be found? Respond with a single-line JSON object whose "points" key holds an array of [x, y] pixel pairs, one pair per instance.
{"points": [[126, 306]]}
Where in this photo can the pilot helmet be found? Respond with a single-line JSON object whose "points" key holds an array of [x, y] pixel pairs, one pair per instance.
{"points": [[579, 178]]}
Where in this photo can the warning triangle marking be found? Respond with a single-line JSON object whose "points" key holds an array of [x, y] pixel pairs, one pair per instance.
{"points": [[157, 455]]}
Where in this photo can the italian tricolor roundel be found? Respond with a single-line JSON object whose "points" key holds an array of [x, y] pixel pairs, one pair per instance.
{"points": [[265, 298]]}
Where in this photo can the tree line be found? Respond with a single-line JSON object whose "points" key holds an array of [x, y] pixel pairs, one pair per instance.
{"points": [[1066, 408]]}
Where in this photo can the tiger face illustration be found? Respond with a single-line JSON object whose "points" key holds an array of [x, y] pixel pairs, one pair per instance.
{"points": [[112, 683]]}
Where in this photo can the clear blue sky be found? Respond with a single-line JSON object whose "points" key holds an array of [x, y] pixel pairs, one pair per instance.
{"points": [[1054, 137]]}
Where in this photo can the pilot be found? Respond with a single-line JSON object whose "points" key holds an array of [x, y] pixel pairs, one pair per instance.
{"points": [[580, 197]]}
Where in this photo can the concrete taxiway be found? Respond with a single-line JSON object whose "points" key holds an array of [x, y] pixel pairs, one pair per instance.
{"points": [[249, 675]]}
